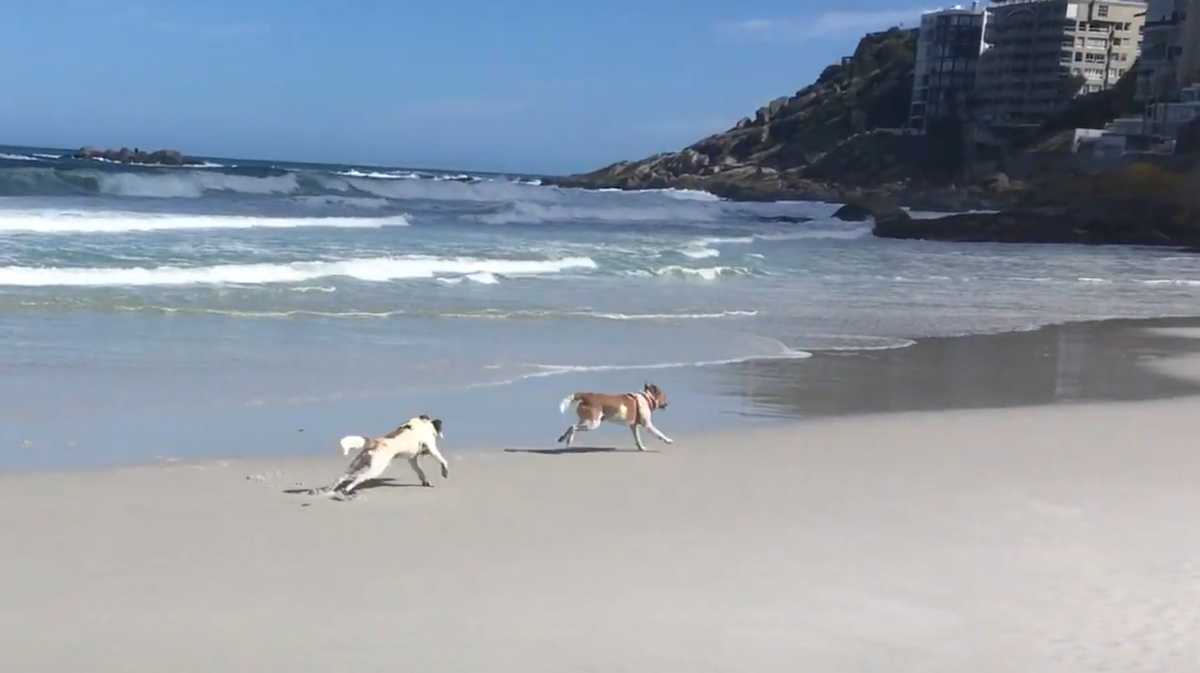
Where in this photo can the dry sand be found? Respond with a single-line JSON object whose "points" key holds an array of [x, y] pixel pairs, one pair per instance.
{"points": [[1059, 538]]}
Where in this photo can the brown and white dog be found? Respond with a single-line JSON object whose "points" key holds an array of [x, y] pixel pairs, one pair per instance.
{"points": [[417, 437], [632, 409]]}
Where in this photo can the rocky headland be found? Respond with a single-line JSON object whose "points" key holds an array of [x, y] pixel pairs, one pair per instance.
{"points": [[842, 139]]}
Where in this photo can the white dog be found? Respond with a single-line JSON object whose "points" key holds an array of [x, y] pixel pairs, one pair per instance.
{"points": [[412, 440]]}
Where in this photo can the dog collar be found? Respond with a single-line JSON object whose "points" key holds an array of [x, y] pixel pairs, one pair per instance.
{"points": [[649, 400]]}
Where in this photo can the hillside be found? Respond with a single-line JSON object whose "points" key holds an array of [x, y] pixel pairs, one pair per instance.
{"points": [[770, 152], [841, 140]]}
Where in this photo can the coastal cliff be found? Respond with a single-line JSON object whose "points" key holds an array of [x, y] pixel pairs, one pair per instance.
{"points": [[783, 150], [842, 139], [839, 139]]}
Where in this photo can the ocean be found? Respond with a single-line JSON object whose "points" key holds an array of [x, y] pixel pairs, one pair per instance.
{"points": [[204, 310]]}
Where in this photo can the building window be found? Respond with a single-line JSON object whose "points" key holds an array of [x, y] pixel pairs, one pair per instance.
{"points": [[1103, 11]]}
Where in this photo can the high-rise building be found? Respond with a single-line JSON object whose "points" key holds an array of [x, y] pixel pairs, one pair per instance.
{"points": [[948, 48], [1160, 69], [1042, 53], [1188, 67]]}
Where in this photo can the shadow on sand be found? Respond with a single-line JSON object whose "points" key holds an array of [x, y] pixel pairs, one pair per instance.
{"points": [[576, 450], [365, 486]]}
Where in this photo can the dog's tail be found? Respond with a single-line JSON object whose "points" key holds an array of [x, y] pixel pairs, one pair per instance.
{"points": [[352, 443], [567, 402]]}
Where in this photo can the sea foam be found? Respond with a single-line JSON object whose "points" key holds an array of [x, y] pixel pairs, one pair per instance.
{"points": [[99, 221], [706, 273], [380, 269]]}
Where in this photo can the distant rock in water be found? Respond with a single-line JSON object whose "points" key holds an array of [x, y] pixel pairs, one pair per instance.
{"points": [[136, 156], [1039, 225], [785, 219], [852, 213]]}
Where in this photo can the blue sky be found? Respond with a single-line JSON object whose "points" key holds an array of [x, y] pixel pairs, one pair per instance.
{"points": [[533, 86]]}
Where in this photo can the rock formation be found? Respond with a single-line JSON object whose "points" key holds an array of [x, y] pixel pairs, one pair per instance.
{"points": [[135, 156], [767, 156]]}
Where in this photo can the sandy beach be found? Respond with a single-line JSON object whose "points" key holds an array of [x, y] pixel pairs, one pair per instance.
{"points": [[1051, 538], [929, 354]]}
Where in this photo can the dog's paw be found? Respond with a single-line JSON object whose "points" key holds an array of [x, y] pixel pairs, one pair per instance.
{"points": [[445, 473]]}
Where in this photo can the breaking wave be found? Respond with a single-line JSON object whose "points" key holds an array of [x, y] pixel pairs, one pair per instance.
{"points": [[841, 233], [681, 194], [380, 175], [434, 189], [191, 184], [98, 221], [483, 278], [529, 212], [705, 273], [153, 183], [333, 201], [381, 269]]}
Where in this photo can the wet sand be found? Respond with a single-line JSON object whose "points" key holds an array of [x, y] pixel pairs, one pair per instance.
{"points": [[1099, 361], [1113, 360]]}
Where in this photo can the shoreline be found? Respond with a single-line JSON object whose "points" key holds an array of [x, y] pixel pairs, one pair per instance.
{"points": [[1078, 362]]}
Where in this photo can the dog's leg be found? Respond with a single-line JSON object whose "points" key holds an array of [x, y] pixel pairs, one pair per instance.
{"points": [[335, 488], [348, 490], [581, 426], [433, 450], [655, 431], [416, 466], [375, 465], [567, 436], [637, 438]]}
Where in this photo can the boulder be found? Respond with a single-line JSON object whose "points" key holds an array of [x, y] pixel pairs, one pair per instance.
{"points": [[852, 212], [165, 157], [892, 221]]}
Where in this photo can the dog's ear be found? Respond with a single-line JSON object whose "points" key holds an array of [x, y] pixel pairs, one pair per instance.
{"points": [[425, 417], [437, 425]]}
